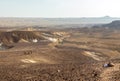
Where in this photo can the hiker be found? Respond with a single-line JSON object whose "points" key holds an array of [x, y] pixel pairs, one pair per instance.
{"points": [[108, 64]]}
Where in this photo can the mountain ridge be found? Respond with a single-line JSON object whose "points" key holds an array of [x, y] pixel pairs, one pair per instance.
{"points": [[43, 22]]}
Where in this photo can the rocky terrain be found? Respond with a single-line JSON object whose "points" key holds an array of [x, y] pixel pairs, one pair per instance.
{"points": [[69, 54]]}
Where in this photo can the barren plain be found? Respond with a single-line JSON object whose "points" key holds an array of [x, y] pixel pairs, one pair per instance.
{"points": [[68, 54]]}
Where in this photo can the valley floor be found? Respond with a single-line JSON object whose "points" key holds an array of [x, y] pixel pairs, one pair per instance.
{"points": [[79, 57]]}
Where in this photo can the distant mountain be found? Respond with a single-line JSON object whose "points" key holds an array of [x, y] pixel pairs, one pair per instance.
{"points": [[53, 22], [113, 24]]}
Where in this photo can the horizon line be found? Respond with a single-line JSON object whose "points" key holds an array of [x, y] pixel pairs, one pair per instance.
{"points": [[57, 17]]}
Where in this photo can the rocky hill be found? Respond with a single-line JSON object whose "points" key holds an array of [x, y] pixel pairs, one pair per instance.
{"points": [[113, 24], [17, 36], [30, 36]]}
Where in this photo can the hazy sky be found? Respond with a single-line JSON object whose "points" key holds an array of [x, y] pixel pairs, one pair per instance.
{"points": [[59, 8]]}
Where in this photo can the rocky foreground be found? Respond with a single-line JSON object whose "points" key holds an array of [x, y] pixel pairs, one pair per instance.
{"points": [[60, 72]]}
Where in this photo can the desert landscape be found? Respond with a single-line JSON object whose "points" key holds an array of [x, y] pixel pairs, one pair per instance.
{"points": [[60, 54], [59, 40]]}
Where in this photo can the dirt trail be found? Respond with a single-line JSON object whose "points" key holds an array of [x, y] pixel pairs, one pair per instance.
{"points": [[108, 73]]}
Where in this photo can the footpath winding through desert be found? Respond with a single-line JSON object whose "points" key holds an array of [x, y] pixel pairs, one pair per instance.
{"points": [[108, 73]]}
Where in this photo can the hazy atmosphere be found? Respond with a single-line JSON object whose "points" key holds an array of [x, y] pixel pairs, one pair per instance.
{"points": [[59, 8], [59, 40]]}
